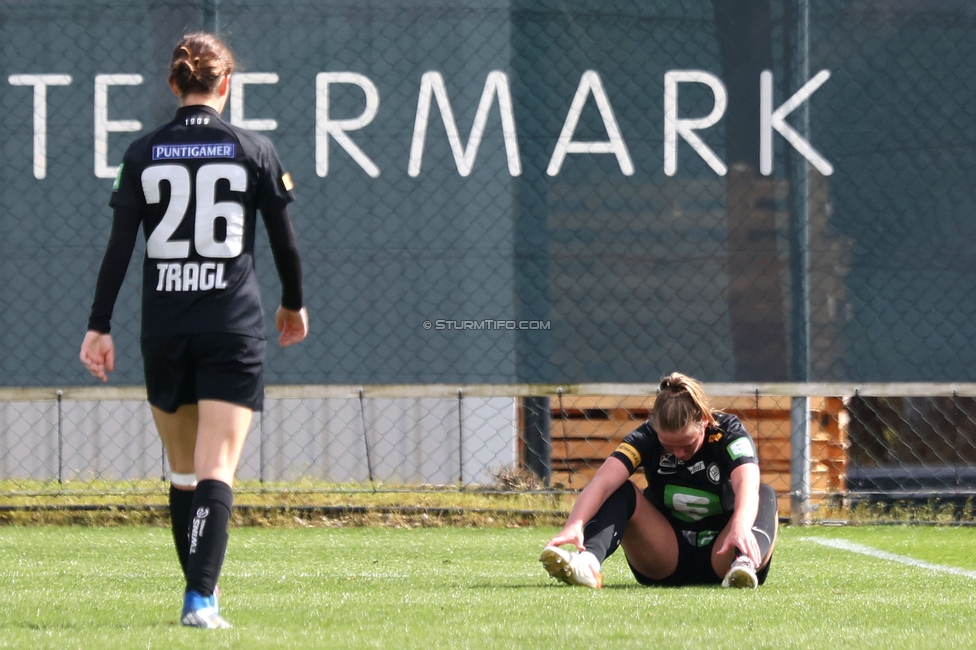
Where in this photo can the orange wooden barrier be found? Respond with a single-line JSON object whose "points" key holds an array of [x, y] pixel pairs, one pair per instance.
{"points": [[585, 430]]}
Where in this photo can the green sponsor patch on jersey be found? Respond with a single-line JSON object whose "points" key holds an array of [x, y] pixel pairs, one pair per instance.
{"points": [[741, 447], [118, 178], [689, 504]]}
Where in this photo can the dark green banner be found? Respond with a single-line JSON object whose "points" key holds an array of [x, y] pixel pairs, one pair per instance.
{"points": [[500, 192]]}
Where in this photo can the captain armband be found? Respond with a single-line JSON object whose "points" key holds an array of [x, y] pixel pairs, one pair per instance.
{"points": [[629, 452]]}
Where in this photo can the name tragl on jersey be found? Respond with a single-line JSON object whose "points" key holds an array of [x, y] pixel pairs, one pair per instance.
{"points": [[196, 185], [211, 216]]}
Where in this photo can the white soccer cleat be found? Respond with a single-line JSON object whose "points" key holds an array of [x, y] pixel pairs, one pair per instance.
{"points": [[741, 575], [572, 567]]}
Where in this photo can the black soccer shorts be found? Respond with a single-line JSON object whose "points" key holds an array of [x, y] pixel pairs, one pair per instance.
{"points": [[694, 566], [219, 366]]}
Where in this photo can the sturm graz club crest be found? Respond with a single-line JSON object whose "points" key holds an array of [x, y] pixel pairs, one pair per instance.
{"points": [[714, 474]]}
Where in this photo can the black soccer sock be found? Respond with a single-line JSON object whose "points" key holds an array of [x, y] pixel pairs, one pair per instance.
{"points": [[602, 534], [179, 516], [212, 501], [765, 527]]}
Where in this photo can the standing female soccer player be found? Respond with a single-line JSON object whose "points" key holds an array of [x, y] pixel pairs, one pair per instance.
{"points": [[195, 185], [704, 517]]}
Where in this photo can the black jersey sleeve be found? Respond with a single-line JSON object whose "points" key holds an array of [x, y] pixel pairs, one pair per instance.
{"points": [[275, 187], [284, 249], [637, 446], [125, 229], [126, 192], [739, 446]]}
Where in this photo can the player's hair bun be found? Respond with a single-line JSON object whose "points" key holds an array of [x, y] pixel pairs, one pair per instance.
{"points": [[680, 400], [675, 382], [199, 62]]}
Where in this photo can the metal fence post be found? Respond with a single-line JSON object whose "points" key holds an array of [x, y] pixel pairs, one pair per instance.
{"points": [[60, 439], [460, 442], [800, 283], [369, 459], [537, 419], [799, 459], [262, 440], [562, 420]]}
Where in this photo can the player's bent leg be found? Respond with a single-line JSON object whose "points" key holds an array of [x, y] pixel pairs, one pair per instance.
{"points": [[603, 534], [601, 537], [742, 573], [650, 543], [767, 524]]}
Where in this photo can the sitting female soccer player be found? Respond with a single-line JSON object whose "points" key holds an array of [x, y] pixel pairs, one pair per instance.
{"points": [[704, 518]]}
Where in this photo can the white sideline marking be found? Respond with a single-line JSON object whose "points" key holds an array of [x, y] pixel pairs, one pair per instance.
{"points": [[884, 555]]}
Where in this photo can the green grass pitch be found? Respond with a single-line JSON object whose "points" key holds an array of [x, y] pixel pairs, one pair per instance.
{"points": [[104, 588]]}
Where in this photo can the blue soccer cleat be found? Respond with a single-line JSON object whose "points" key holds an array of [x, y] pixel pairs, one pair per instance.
{"points": [[202, 611]]}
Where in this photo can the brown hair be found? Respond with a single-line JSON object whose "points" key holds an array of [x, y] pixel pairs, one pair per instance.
{"points": [[680, 400], [199, 62]]}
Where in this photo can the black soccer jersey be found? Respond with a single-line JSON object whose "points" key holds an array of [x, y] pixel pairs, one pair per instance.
{"points": [[196, 184], [695, 495]]}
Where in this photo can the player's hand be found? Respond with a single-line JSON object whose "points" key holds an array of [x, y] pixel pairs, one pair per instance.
{"points": [[572, 533], [293, 325], [741, 537], [98, 354]]}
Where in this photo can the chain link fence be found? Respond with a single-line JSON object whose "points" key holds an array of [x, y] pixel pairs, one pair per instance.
{"points": [[863, 451], [525, 193]]}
